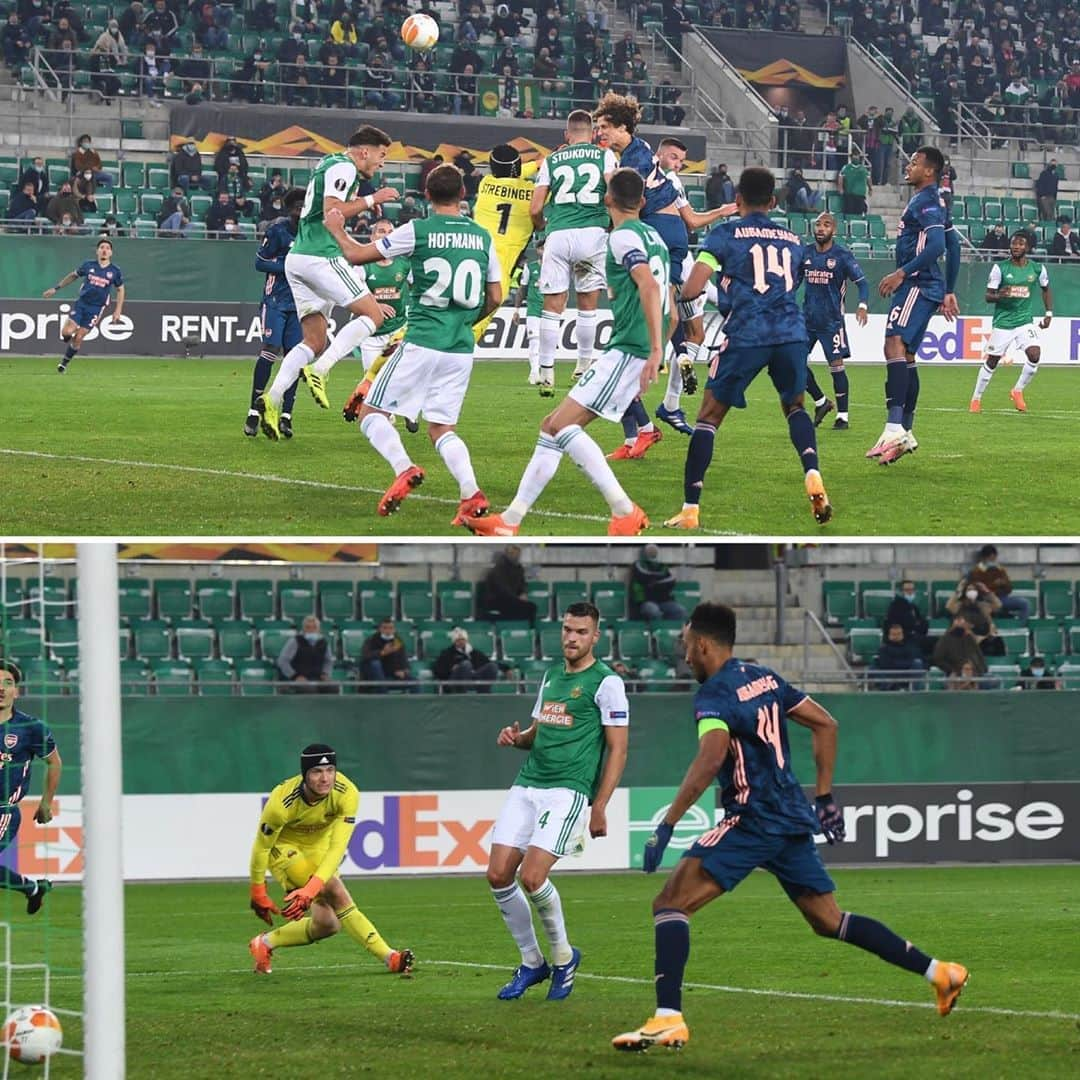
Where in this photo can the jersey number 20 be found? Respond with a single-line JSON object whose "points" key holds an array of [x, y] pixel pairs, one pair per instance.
{"points": [[463, 283]]}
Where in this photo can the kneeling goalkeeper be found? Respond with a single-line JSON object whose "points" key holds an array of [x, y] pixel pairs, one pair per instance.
{"points": [[303, 832]]}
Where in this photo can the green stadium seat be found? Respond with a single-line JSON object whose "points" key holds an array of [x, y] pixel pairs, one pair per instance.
{"points": [[635, 641], [1014, 637], [669, 641], [1029, 211], [942, 592], [273, 635], [567, 593], [354, 632], [153, 639], [532, 671], [878, 229], [610, 598], [173, 598], [337, 600], [256, 598], [455, 599], [1047, 638], [858, 229], [64, 640], [1005, 675], [1057, 599], [416, 600], [199, 205], [481, 635], [133, 174], [539, 592], [134, 678], [654, 677], [40, 675], [1029, 590], [12, 597], [1020, 170], [973, 207], [864, 642], [517, 644], [875, 598], [194, 638], [434, 636], [687, 593], [296, 599], [49, 595], [376, 599], [840, 600], [172, 678], [215, 677], [256, 677], [135, 598], [125, 635], [236, 639], [130, 129], [150, 204], [346, 677], [551, 639], [992, 210], [216, 598], [157, 177], [1069, 674]]}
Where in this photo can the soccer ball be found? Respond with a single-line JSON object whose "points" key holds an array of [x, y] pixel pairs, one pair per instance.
{"points": [[31, 1034], [420, 32]]}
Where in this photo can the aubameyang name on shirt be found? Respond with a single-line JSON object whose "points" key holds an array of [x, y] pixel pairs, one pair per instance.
{"points": [[757, 232], [473, 241], [756, 688]]}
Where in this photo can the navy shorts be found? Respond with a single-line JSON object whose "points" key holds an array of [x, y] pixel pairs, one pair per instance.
{"points": [[733, 849], [736, 367], [86, 316], [909, 316], [834, 343], [672, 231], [280, 329], [10, 820]]}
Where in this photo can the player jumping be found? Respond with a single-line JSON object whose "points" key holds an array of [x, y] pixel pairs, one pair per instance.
{"points": [[321, 279], [1009, 289], [456, 276], [24, 738], [581, 711], [918, 289], [741, 712], [827, 268], [762, 268], [529, 291], [280, 326], [637, 276], [102, 276], [304, 830]]}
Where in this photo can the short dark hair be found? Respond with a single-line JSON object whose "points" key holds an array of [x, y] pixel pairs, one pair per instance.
{"points": [[620, 110], [1023, 236], [12, 669], [293, 196], [987, 550], [672, 141], [1064, 219], [757, 185], [627, 187], [444, 184], [934, 157], [584, 609], [714, 621], [579, 118], [369, 135], [104, 240]]}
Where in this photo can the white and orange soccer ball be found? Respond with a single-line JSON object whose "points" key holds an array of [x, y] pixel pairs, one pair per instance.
{"points": [[420, 32], [31, 1034]]}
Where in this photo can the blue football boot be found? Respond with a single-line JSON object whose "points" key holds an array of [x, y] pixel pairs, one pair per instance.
{"points": [[522, 979], [562, 977], [675, 417]]}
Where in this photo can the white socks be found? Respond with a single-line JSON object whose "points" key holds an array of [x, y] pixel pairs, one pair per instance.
{"points": [[537, 475], [532, 325], [1027, 374], [585, 333], [517, 915], [382, 435], [298, 356], [456, 455], [347, 339], [674, 385], [550, 324], [983, 381], [549, 908], [590, 459]]}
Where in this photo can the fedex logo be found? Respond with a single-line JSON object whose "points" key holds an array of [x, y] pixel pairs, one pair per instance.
{"points": [[964, 339]]}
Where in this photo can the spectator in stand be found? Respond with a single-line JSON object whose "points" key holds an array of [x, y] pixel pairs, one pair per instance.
{"points": [[947, 182], [85, 190], [624, 49], [207, 31], [989, 575], [903, 611], [422, 86], [247, 210], [231, 157], [160, 27], [1055, 114], [425, 170], [17, 42], [506, 63], [1036, 676], [652, 588], [152, 72], [829, 145], [195, 70], [889, 137], [639, 77], [344, 36], [994, 114], [934, 16], [465, 55], [131, 24], [957, 653], [290, 48], [1066, 244], [110, 52], [24, 207], [86, 157], [186, 169], [64, 9], [870, 126], [263, 16], [333, 83], [271, 209], [677, 22], [1072, 84], [1018, 97], [460, 662], [897, 656], [306, 661], [219, 212], [947, 96], [995, 238], [174, 217], [62, 32], [507, 24], [232, 182], [668, 98], [854, 184], [380, 78], [383, 657], [306, 13], [63, 205], [35, 173], [251, 79], [37, 18], [410, 210], [978, 605], [273, 189], [299, 86], [800, 196], [719, 188], [502, 593], [470, 177]]}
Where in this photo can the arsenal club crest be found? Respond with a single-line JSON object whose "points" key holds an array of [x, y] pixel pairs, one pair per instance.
{"points": [[11, 741], [830, 263]]}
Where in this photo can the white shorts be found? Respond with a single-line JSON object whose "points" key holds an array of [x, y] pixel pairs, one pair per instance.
{"points": [[690, 309], [319, 285], [552, 819], [610, 385], [371, 348], [579, 254], [1019, 339], [417, 380]]}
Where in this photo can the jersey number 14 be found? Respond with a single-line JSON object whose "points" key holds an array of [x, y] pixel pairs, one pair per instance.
{"points": [[772, 261], [768, 730]]}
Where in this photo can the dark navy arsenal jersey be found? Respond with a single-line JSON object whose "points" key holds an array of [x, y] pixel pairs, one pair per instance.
{"points": [[756, 779], [270, 260], [826, 274], [100, 280], [22, 739], [924, 213], [659, 189]]}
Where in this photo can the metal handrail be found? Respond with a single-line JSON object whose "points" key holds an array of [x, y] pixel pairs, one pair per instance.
{"points": [[879, 60], [810, 619], [971, 127], [713, 113]]}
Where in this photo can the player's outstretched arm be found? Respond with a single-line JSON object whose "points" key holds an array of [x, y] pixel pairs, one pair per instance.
{"points": [[696, 220], [356, 253], [702, 272], [66, 280], [823, 729], [53, 765], [1048, 304], [652, 308], [618, 743]]}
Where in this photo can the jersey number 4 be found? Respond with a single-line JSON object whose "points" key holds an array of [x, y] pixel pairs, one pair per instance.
{"points": [[772, 261], [768, 730]]}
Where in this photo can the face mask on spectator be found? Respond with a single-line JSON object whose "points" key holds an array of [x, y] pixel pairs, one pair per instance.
{"points": [[298, 37], [971, 594], [87, 175], [230, 226], [276, 204], [189, 148], [39, 168], [257, 56], [1038, 672], [909, 596], [312, 637], [66, 219], [387, 637]]}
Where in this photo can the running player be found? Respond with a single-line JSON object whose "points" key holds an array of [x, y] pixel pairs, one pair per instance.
{"points": [[102, 276], [918, 289], [303, 833], [388, 279], [827, 268], [320, 279], [1009, 289], [570, 190], [24, 738], [503, 203], [280, 326], [637, 277], [741, 712], [456, 276], [581, 711], [762, 268], [529, 291]]}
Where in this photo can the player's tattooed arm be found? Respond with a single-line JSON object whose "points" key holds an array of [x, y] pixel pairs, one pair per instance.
{"points": [[121, 293], [823, 730], [536, 206], [66, 280], [1048, 304]]}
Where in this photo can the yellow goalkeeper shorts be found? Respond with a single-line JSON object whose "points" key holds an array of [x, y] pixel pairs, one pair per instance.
{"points": [[292, 866]]}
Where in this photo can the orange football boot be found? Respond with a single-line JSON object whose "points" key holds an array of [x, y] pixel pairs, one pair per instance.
{"points": [[261, 953], [1018, 399], [631, 524], [490, 525], [949, 980], [474, 506], [644, 440], [402, 487]]}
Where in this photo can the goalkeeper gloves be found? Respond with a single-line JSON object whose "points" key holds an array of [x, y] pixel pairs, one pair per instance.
{"points": [[262, 905], [831, 818], [655, 845], [299, 900]]}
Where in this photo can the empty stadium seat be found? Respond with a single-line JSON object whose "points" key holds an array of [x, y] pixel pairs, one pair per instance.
{"points": [[1057, 599], [273, 636], [216, 598], [354, 632], [416, 600], [1014, 637], [1046, 636], [669, 640], [635, 641], [567, 593], [256, 677], [256, 598], [296, 600], [517, 644], [455, 599], [215, 677], [864, 642], [841, 602], [236, 639], [376, 599], [173, 597], [172, 678], [610, 599], [337, 600], [153, 639], [63, 637], [194, 638]]}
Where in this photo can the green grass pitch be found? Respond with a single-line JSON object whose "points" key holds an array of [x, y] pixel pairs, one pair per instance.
{"points": [[154, 447]]}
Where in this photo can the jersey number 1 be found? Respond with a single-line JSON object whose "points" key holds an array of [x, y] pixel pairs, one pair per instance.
{"points": [[768, 729], [769, 260]]}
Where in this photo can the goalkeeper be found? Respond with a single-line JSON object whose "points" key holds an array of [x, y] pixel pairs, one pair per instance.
{"points": [[303, 832]]}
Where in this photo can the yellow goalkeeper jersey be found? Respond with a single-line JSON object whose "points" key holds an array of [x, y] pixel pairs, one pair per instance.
{"points": [[502, 208], [323, 827]]}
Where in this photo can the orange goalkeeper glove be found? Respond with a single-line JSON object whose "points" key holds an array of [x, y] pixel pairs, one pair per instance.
{"points": [[262, 905], [299, 900]]}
